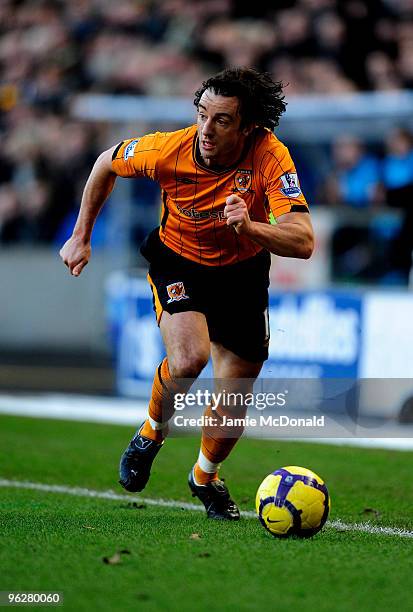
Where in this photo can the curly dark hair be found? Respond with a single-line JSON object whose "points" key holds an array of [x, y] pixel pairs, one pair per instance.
{"points": [[261, 99]]}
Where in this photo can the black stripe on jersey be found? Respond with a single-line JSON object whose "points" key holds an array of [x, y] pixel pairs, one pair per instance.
{"points": [[215, 228], [165, 210], [299, 208], [276, 159], [267, 206], [256, 250], [279, 163], [116, 151], [176, 187], [193, 206]]}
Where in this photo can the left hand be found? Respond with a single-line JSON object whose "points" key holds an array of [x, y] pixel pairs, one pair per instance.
{"points": [[236, 212]]}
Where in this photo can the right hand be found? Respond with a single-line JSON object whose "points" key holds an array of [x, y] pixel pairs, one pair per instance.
{"points": [[75, 254]]}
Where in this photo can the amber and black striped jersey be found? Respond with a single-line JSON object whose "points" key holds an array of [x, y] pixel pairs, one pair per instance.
{"points": [[193, 196]]}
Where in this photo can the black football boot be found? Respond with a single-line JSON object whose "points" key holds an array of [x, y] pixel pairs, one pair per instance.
{"points": [[136, 461], [216, 499]]}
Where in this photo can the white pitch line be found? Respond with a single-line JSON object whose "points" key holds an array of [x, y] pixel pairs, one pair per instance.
{"points": [[368, 528], [166, 503], [80, 492]]}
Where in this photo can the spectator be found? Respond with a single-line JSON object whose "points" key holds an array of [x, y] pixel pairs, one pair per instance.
{"points": [[398, 169], [355, 174], [398, 185], [381, 72]]}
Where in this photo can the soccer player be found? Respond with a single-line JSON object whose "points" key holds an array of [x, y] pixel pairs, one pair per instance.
{"points": [[209, 259]]}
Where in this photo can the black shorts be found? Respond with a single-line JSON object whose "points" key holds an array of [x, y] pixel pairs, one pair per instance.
{"points": [[233, 298]]}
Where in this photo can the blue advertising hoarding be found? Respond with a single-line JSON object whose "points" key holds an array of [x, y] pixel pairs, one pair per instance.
{"points": [[314, 334]]}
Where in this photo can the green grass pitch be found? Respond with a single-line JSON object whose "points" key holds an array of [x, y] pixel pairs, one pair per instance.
{"points": [[57, 542]]}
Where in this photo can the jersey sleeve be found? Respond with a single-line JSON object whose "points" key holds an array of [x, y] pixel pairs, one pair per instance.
{"points": [[137, 157], [282, 186]]}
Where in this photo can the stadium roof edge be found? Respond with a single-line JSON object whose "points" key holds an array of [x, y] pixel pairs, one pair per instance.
{"points": [[149, 108], [310, 118]]}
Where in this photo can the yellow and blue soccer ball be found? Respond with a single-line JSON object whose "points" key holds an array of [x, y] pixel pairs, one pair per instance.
{"points": [[293, 501]]}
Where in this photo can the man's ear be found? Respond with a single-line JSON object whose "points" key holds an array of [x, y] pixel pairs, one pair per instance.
{"points": [[248, 129]]}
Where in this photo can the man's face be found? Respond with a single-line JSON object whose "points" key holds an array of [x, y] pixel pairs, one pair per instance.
{"points": [[220, 138]]}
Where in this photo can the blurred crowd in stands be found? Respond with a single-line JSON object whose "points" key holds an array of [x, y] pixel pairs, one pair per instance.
{"points": [[51, 50], [381, 248]]}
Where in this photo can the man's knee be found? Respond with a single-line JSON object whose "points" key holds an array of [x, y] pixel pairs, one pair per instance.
{"points": [[187, 364]]}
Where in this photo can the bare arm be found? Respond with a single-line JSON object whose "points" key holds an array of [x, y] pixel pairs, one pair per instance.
{"points": [[76, 251], [291, 237]]}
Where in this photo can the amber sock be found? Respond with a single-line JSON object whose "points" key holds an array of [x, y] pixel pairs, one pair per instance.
{"points": [[218, 440], [216, 444], [158, 435], [203, 478], [161, 404]]}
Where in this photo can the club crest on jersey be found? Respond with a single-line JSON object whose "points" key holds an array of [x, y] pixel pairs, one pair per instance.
{"points": [[176, 292], [291, 186], [243, 180], [130, 149]]}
